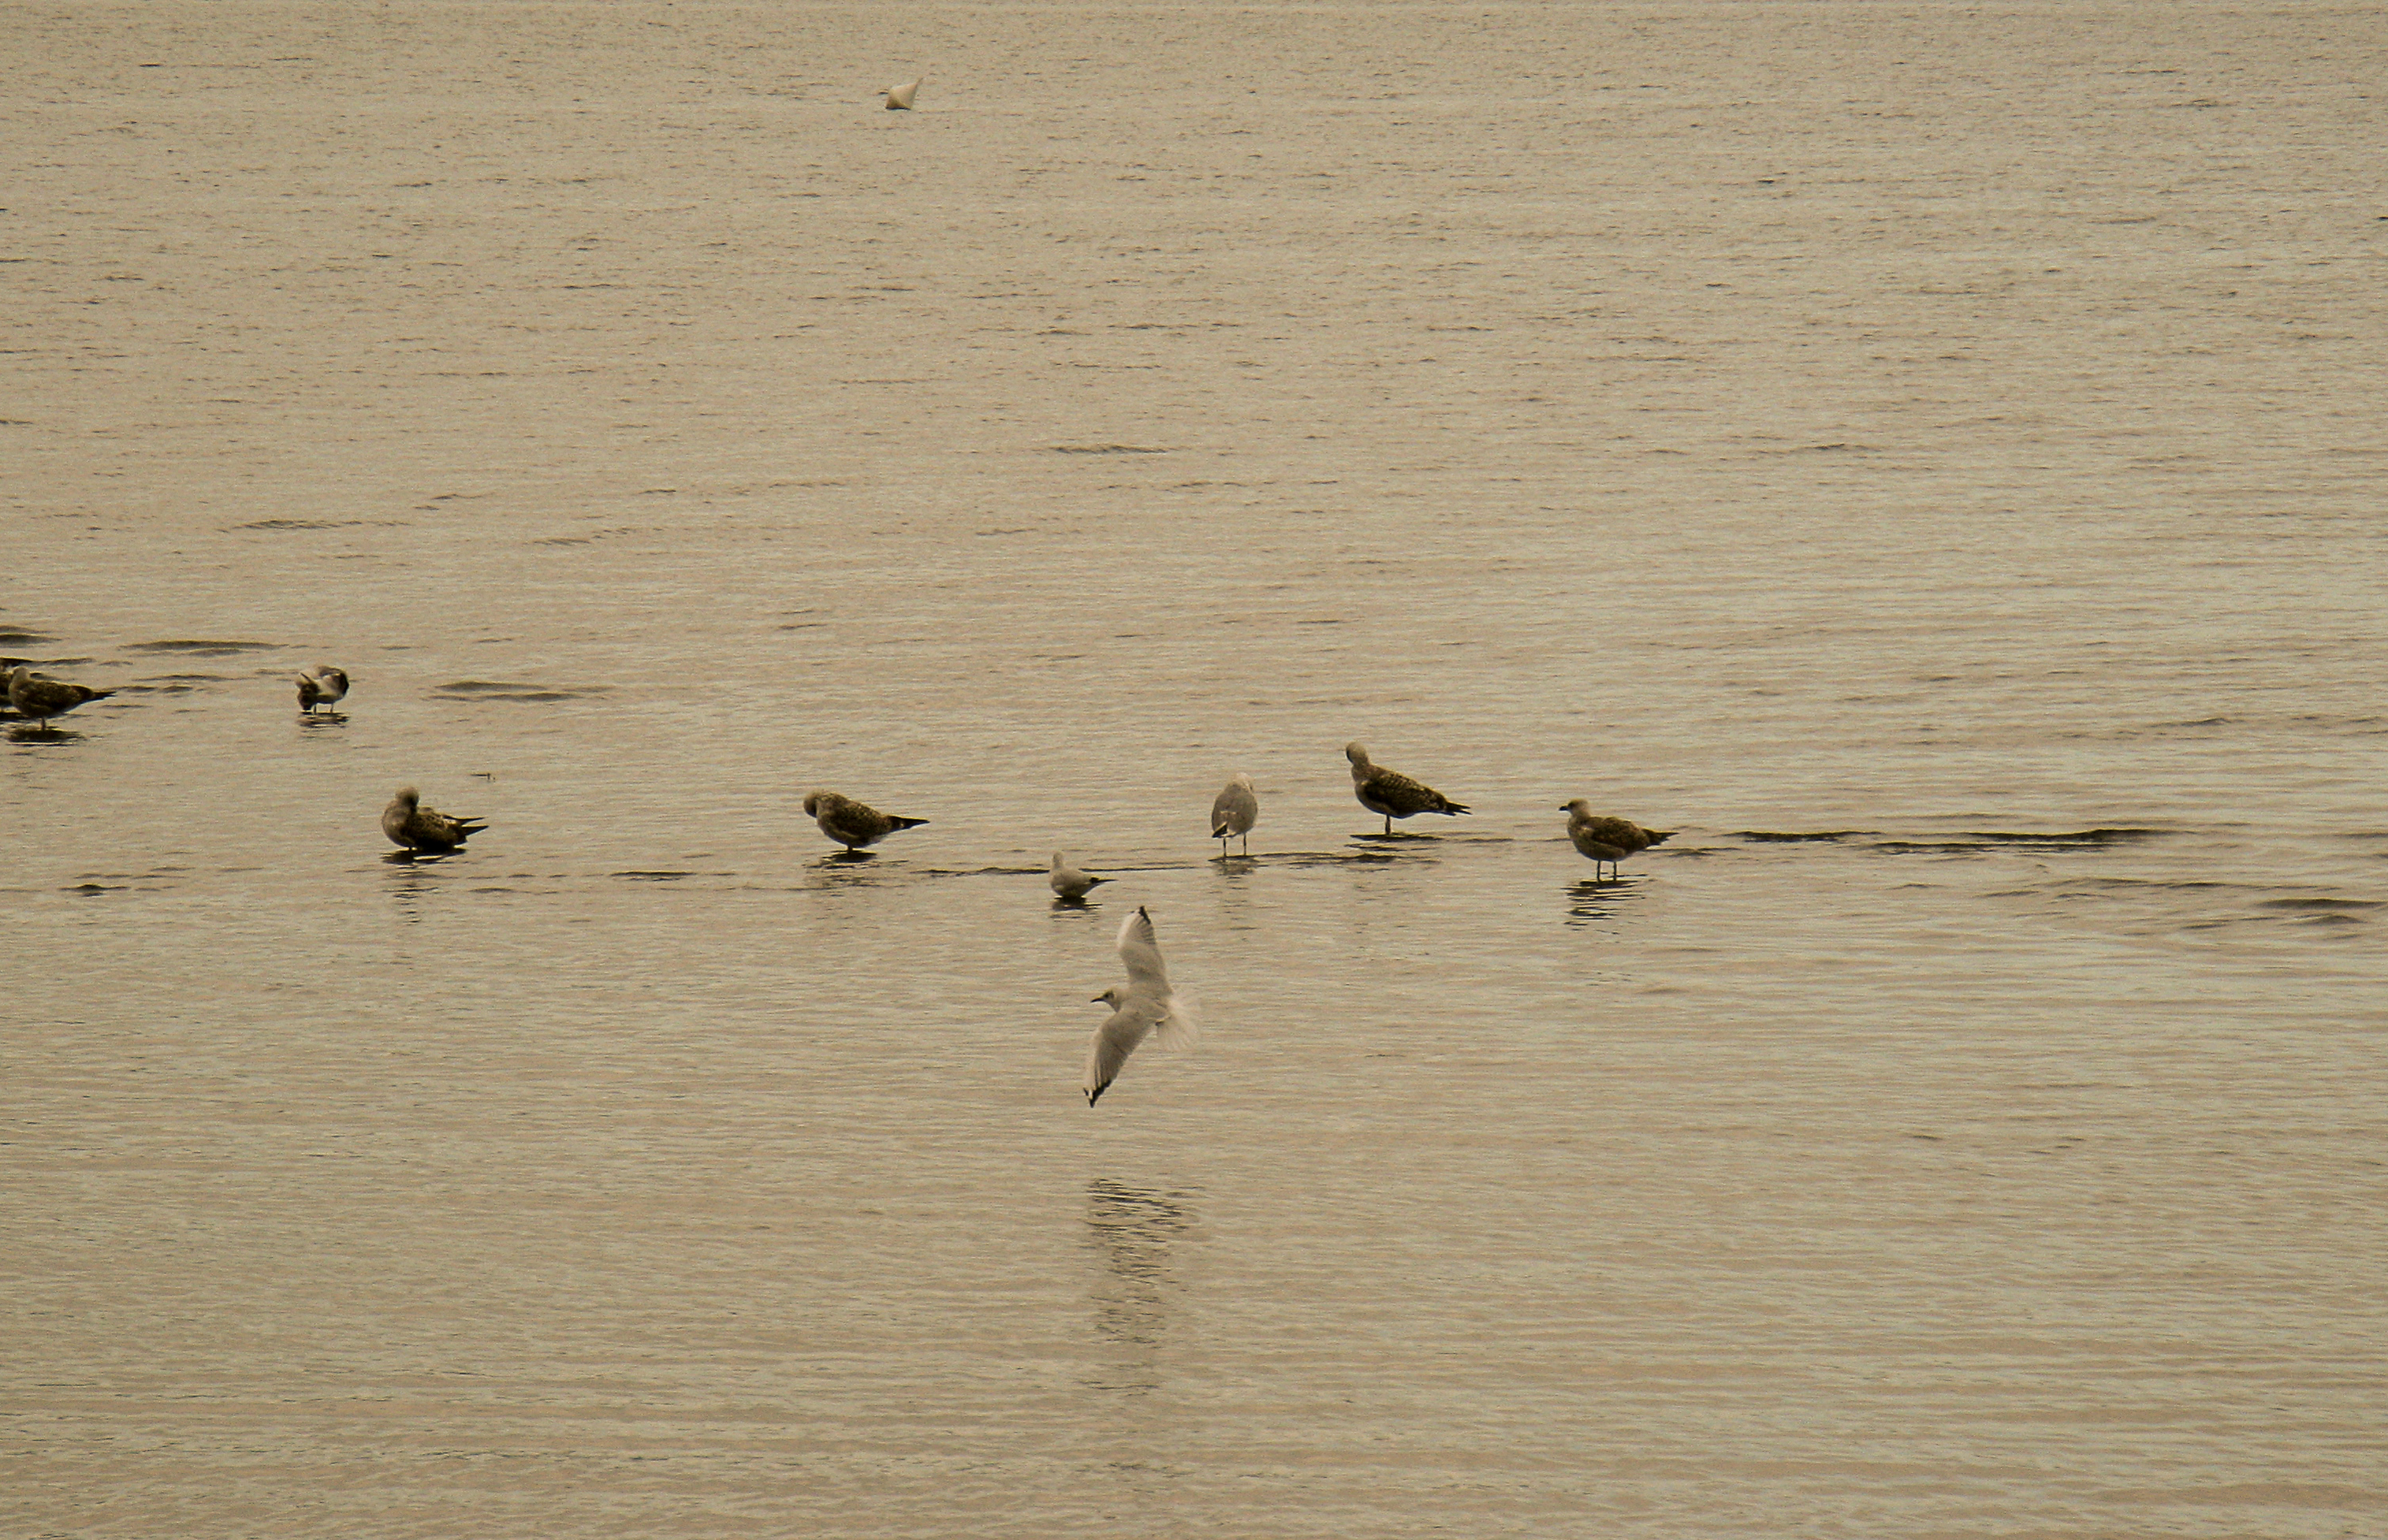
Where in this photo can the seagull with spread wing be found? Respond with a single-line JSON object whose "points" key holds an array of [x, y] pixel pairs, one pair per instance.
{"points": [[1146, 1007]]}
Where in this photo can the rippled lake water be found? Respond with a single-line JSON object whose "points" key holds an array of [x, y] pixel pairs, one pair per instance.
{"points": [[1931, 458]]}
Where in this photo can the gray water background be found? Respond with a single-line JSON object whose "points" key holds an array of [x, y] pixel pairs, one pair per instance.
{"points": [[1954, 431]]}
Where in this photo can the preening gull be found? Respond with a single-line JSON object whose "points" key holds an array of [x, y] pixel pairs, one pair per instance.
{"points": [[321, 686], [899, 97], [1070, 883], [1146, 1007], [1233, 815], [39, 697], [409, 823], [1609, 839], [852, 824], [1392, 793]]}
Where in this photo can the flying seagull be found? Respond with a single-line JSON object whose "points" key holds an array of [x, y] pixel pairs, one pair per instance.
{"points": [[1609, 839], [1146, 1007], [1390, 793]]}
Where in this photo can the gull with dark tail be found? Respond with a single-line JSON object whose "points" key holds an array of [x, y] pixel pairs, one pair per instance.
{"points": [[852, 824], [417, 828], [1146, 1007], [38, 696], [1391, 793], [1235, 813], [1609, 839], [321, 686], [1070, 883]]}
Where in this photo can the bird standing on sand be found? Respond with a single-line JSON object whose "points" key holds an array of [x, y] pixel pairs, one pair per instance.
{"points": [[1070, 883], [1391, 793], [853, 824], [39, 697], [899, 97], [417, 828], [1609, 839], [1233, 815], [321, 686], [1146, 1007]]}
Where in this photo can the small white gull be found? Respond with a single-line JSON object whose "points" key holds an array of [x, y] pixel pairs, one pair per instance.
{"points": [[1146, 1007]]}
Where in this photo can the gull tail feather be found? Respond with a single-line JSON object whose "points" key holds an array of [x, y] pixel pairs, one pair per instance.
{"points": [[1181, 1025]]}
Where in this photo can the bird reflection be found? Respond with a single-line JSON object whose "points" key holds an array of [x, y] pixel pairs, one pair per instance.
{"points": [[1133, 1228], [843, 869], [414, 874], [1592, 900]]}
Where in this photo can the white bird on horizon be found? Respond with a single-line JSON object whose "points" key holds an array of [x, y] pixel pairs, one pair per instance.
{"points": [[1148, 1007]]}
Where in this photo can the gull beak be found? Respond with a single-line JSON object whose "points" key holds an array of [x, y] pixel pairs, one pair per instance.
{"points": [[1098, 999]]}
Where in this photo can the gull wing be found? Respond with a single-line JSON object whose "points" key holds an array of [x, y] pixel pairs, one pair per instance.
{"points": [[1147, 974], [1114, 1040]]}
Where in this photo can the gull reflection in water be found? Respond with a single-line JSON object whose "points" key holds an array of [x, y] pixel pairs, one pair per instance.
{"points": [[1591, 900], [1135, 1230], [413, 877]]}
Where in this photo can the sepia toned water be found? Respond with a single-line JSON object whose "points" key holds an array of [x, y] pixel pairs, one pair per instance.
{"points": [[1932, 457]]}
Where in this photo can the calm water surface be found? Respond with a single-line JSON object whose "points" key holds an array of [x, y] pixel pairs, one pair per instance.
{"points": [[1929, 457]]}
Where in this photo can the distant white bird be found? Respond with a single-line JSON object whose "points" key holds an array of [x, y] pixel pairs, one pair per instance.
{"points": [[1148, 1007], [1391, 793], [899, 97], [321, 686], [852, 824], [1235, 813], [409, 823], [1070, 883], [38, 696], [1609, 839]]}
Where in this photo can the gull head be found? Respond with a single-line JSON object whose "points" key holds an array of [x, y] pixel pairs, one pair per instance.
{"points": [[1578, 805], [1110, 997], [408, 795], [812, 803], [1356, 753]]}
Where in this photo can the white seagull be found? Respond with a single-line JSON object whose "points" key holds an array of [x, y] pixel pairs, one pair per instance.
{"points": [[1070, 883], [1146, 1007]]}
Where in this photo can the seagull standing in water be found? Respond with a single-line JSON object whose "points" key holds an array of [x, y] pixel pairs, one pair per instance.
{"points": [[1146, 1007], [1070, 883], [38, 696], [852, 824], [1391, 793], [417, 828], [1609, 839], [1233, 815], [321, 686]]}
